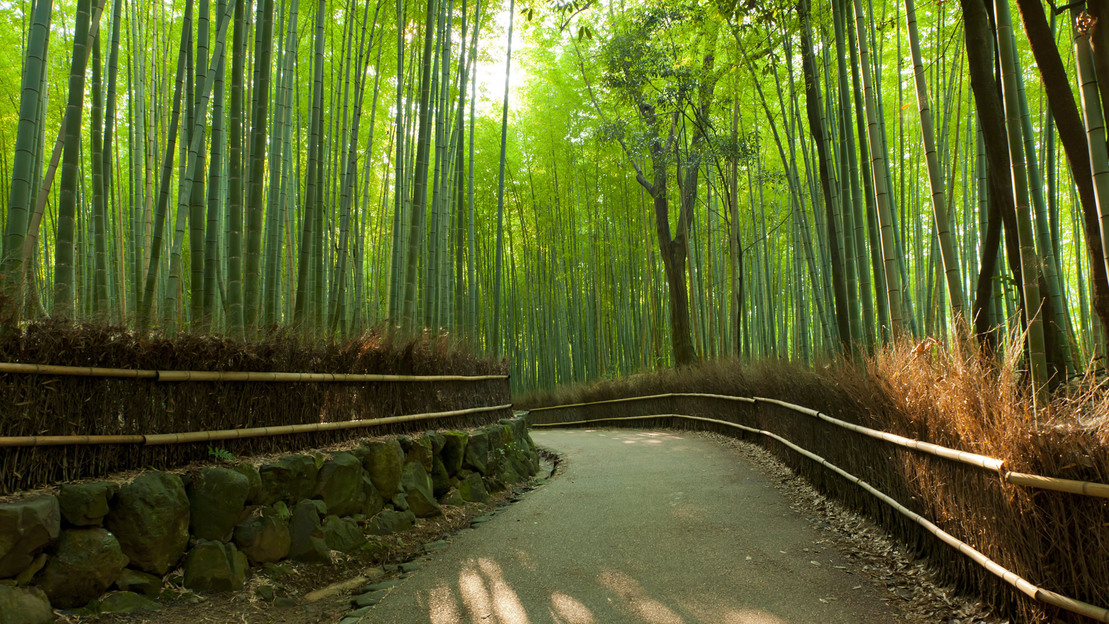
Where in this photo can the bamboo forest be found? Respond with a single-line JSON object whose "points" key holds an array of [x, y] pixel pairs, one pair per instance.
{"points": [[587, 188]]}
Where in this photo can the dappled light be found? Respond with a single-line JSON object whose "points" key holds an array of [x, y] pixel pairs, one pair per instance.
{"points": [[443, 606], [486, 595], [641, 605], [566, 609]]}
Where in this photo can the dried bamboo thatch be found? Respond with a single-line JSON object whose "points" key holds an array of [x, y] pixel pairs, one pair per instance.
{"points": [[44, 403]]}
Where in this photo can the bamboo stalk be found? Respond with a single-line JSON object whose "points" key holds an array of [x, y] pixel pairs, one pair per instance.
{"points": [[1035, 592], [158, 375], [161, 439]]}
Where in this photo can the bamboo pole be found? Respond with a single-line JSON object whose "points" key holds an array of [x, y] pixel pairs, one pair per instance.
{"points": [[1035, 592], [159, 375], [76, 371], [161, 439], [981, 461]]}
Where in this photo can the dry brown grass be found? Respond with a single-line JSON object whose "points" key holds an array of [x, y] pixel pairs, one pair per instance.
{"points": [[946, 394]]}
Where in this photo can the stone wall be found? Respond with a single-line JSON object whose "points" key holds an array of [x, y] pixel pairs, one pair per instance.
{"points": [[65, 550]]}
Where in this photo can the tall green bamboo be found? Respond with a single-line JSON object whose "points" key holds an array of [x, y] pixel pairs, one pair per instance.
{"points": [[67, 197], [1029, 259], [255, 204], [948, 246], [26, 146], [877, 150], [311, 247]]}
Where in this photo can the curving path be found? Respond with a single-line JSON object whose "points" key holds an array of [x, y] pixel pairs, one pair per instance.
{"points": [[654, 527]]}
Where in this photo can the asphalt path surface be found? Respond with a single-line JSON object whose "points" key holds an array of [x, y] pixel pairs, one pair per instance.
{"points": [[655, 527]]}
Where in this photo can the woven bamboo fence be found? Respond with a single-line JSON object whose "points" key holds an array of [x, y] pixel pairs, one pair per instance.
{"points": [[126, 395], [990, 530]]}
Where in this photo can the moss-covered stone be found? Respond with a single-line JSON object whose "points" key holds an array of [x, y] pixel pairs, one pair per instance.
{"points": [[86, 504], [86, 563], [218, 497], [26, 527], [215, 566], [127, 602], [476, 455], [418, 491], [472, 488], [289, 479], [417, 450], [384, 463], [24, 605], [373, 501], [454, 449], [342, 534], [307, 544], [265, 537], [253, 478], [339, 484], [389, 521], [151, 520], [140, 582]]}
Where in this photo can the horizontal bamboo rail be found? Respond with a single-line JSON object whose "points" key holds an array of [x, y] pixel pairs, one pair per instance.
{"points": [[159, 439], [1070, 486], [167, 375], [981, 461], [1035, 592]]}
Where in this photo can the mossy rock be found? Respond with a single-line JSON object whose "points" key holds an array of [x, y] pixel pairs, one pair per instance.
{"points": [[151, 520], [215, 567], [265, 537], [86, 563], [289, 479], [454, 449], [127, 602], [384, 463], [218, 497], [24, 605], [86, 504], [339, 484], [418, 491], [476, 456], [26, 528], [307, 544]]}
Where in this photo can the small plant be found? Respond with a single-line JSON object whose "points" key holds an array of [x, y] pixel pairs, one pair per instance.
{"points": [[221, 454]]}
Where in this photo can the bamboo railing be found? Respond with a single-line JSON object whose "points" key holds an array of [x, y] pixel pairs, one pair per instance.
{"points": [[160, 439], [1084, 488], [177, 375]]}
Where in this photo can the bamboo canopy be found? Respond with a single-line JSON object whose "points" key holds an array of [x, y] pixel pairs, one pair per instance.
{"points": [[1035, 592], [159, 439], [164, 375]]}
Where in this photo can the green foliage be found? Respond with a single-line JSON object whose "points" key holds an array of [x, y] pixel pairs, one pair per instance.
{"points": [[221, 454]]}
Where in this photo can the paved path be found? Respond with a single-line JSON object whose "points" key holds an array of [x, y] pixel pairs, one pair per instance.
{"points": [[654, 527]]}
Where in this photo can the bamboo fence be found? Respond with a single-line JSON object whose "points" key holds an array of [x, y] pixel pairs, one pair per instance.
{"points": [[1006, 575]]}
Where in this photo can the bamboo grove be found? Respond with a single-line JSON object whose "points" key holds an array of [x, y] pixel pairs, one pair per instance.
{"points": [[647, 183]]}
